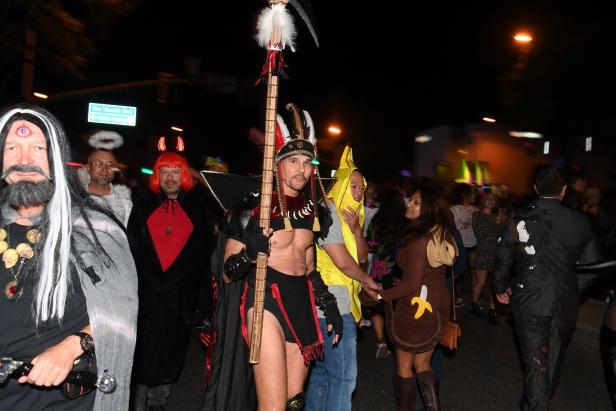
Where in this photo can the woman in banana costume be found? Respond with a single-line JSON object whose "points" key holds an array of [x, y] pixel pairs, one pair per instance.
{"points": [[417, 309]]}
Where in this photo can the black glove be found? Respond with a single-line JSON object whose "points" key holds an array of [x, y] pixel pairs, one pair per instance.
{"points": [[326, 302], [237, 265], [255, 242]]}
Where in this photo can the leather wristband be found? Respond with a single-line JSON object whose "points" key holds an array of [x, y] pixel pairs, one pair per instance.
{"points": [[326, 302], [86, 341]]}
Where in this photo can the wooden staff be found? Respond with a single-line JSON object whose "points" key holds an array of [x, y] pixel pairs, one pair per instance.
{"points": [[266, 202], [276, 43]]}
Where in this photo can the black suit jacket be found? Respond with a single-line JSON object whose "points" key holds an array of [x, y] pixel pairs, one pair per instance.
{"points": [[545, 241]]}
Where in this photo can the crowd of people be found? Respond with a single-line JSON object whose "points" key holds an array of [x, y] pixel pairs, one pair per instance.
{"points": [[112, 282]]}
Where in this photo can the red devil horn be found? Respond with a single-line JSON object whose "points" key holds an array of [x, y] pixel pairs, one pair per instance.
{"points": [[180, 144], [161, 144]]}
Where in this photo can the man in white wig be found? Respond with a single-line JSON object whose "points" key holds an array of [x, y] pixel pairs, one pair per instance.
{"points": [[69, 288]]}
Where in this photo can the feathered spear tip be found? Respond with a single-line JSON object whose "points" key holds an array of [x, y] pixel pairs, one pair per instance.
{"points": [[276, 17]]}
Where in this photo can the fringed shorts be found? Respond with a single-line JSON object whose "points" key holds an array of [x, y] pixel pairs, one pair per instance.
{"points": [[290, 299]]}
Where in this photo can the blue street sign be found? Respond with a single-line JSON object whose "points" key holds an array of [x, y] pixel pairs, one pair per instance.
{"points": [[111, 114]]}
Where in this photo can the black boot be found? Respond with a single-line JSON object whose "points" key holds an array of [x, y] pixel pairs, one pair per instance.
{"points": [[296, 402], [405, 392], [492, 320], [477, 310], [608, 359], [427, 384]]}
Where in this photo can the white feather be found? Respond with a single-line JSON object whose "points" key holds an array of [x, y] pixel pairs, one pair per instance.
{"points": [[311, 134], [276, 17], [283, 127]]}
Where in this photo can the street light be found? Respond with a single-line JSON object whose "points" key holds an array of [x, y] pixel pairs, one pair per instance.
{"points": [[40, 95], [523, 38], [525, 134], [489, 120], [334, 130], [178, 129]]}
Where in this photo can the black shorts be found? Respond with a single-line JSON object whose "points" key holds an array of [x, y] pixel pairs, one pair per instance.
{"points": [[290, 300]]}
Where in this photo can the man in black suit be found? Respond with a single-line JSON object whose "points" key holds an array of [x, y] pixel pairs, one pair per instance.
{"points": [[545, 240]]}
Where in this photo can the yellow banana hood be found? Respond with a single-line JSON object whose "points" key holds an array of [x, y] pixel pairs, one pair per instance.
{"points": [[340, 194]]}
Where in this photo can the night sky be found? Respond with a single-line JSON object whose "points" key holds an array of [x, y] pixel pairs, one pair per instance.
{"points": [[381, 74]]}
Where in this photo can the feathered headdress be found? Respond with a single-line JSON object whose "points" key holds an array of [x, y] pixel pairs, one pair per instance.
{"points": [[295, 134]]}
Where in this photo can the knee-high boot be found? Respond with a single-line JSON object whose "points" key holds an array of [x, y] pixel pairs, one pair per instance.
{"points": [[405, 392], [427, 384], [296, 402]]}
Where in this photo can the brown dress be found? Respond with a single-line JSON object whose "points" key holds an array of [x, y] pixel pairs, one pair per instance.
{"points": [[407, 333]]}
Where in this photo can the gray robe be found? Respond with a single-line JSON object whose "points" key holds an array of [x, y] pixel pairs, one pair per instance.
{"points": [[111, 303]]}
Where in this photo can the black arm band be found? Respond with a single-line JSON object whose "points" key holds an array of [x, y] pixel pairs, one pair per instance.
{"points": [[237, 265], [322, 296]]}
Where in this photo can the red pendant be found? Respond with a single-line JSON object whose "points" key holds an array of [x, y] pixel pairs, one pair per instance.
{"points": [[12, 291]]}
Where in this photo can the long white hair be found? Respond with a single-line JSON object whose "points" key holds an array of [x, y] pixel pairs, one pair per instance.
{"points": [[54, 277]]}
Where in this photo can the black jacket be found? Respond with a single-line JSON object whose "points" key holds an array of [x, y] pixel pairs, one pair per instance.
{"points": [[545, 240]]}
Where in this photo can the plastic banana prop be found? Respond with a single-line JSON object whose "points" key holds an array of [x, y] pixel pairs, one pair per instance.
{"points": [[422, 302]]}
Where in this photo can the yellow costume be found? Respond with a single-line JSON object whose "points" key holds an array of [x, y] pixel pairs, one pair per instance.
{"points": [[340, 194]]}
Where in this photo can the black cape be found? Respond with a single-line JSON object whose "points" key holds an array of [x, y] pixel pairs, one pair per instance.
{"points": [[167, 299], [231, 387]]}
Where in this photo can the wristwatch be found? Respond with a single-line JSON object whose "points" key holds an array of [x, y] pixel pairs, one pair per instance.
{"points": [[86, 341]]}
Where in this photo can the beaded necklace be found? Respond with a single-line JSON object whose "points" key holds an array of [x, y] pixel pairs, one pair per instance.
{"points": [[13, 256]]}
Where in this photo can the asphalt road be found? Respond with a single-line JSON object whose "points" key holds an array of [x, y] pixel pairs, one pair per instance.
{"points": [[485, 373]]}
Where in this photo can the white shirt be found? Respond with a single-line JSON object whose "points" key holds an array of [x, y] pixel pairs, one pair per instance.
{"points": [[463, 217]]}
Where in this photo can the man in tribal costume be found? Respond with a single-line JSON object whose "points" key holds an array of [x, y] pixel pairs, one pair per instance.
{"points": [[291, 336]]}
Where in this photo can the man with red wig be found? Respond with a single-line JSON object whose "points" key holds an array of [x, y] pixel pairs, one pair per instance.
{"points": [[172, 229]]}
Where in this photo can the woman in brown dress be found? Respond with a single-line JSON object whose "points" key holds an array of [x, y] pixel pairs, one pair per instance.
{"points": [[417, 309]]}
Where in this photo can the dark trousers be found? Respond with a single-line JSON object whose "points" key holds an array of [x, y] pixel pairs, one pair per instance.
{"points": [[608, 358], [543, 343]]}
